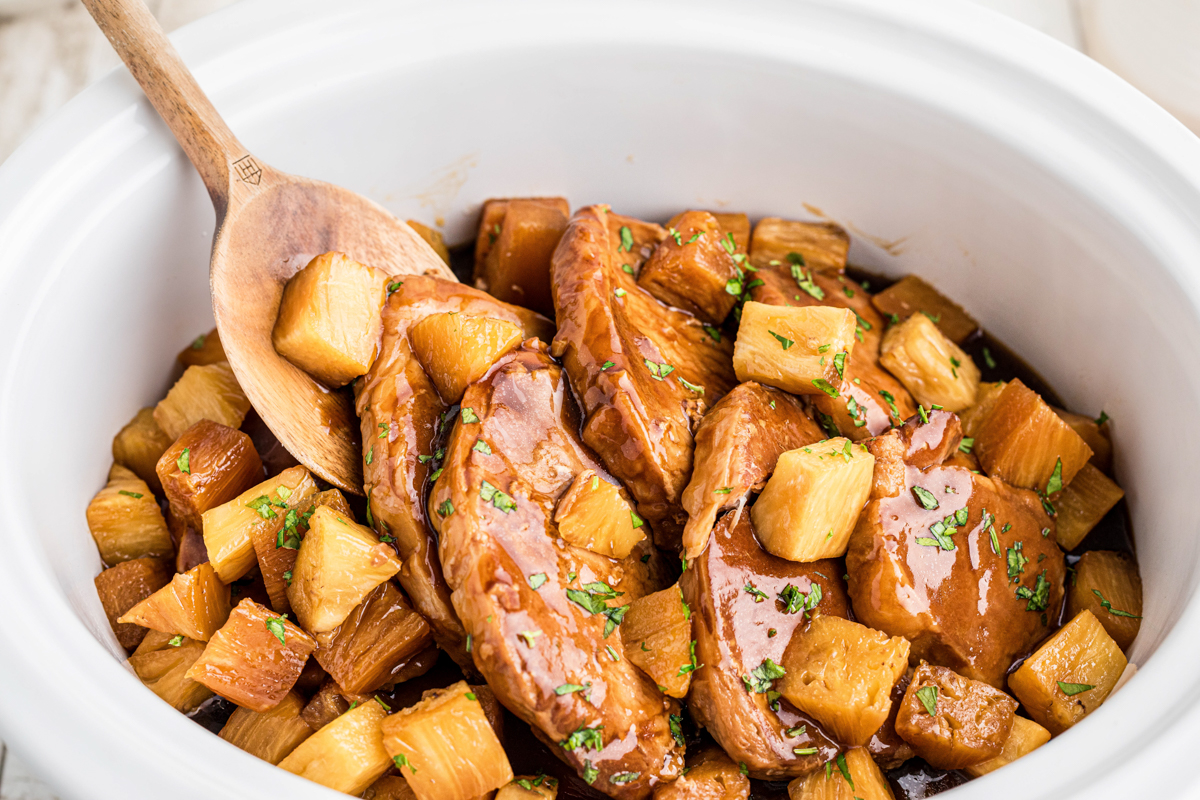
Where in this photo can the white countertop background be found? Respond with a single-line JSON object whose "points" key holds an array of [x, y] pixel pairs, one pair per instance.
{"points": [[51, 49]]}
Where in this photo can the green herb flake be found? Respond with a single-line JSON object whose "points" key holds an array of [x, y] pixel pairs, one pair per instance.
{"points": [[445, 509], [676, 723], [498, 499], [624, 777], [620, 292], [590, 773], [537, 581], [482, 447], [275, 626], [987, 358], [626, 240], [1016, 563], [762, 678], [628, 270], [1055, 484], [175, 641], [635, 519], [845, 770], [1072, 689], [198, 342], [134, 495], [759, 594], [714, 333], [606, 365], [611, 653], [1107, 606], [839, 363], [966, 444], [928, 695], [571, 688], [184, 461], [1103, 418], [784, 342], [1038, 597], [529, 636], [401, 761], [925, 498], [825, 387], [804, 751], [691, 387], [469, 416]]}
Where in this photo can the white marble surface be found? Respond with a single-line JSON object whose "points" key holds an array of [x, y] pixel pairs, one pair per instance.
{"points": [[52, 49]]}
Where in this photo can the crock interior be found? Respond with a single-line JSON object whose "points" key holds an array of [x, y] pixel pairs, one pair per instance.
{"points": [[1051, 226]]}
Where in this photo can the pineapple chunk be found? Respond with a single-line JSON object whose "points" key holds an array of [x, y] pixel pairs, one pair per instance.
{"points": [[124, 586], [934, 369], [853, 775], [229, 528], [346, 755], [800, 350], [512, 254], [841, 673], [732, 224], [951, 721], [812, 501], [330, 322], [194, 604], [1082, 505], [204, 392], [164, 672], [1023, 441], [139, 445], [208, 465], [445, 746], [432, 237], [693, 268], [378, 640], [1095, 435], [710, 775], [1107, 584], [269, 735], [254, 659], [819, 245], [277, 554], [657, 635], [205, 349], [329, 703], [1070, 675], [456, 350], [529, 787], [973, 417], [910, 295], [1025, 737], [126, 522], [338, 565], [594, 515]]}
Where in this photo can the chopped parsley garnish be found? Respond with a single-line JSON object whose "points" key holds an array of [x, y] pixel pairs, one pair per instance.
{"points": [[571, 688], [762, 678], [658, 371], [922, 413], [198, 342], [1038, 597], [394, 285], [691, 387], [624, 777], [445, 509], [845, 770], [482, 447], [723, 490], [620, 292], [925, 498], [134, 495], [529, 636], [692, 666], [275, 626], [175, 641], [784, 342], [628, 270], [795, 600], [469, 416], [1107, 606], [928, 696], [606, 365], [636, 520], [626, 239], [590, 773], [966, 444], [1103, 418], [839, 363], [611, 653], [1016, 563], [676, 723], [1055, 484], [987, 358], [287, 577], [759, 594], [825, 387], [1072, 689], [713, 332], [402, 761], [891, 401], [184, 461], [804, 751], [500, 500], [536, 581], [583, 736]]}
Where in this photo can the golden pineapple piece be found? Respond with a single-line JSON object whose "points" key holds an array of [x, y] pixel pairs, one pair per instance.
{"points": [[852, 776], [382, 635], [933, 368], [204, 392], [820, 245], [254, 659], [516, 239], [208, 465], [657, 635], [276, 545], [841, 673], [910, 296], [269, 735], [271, 505], [337, 566], [446, 747], [329, 703], [139, 445], [1081, 506], [973, 417], [812, 501], [455, 350], [329, 322], [710, 775], [1070, 675], [1025, 737], [1095, 435], [126, 522], [194, 604], [124, 586], [432, 237], [346, 755], [1024, 443], [205, 349], [693, 268], [1108, 584], [594, 515], [800, 350], [164, 671], [951, 721], [529, 787]]}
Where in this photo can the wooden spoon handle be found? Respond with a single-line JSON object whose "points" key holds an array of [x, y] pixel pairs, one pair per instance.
{"points": [[153, 61]]}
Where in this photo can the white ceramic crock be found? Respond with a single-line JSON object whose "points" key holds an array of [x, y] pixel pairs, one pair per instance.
{"points": [[1058, 205]]}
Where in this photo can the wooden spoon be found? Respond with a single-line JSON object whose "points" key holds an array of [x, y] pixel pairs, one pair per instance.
{"points": [[268, 225]]}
